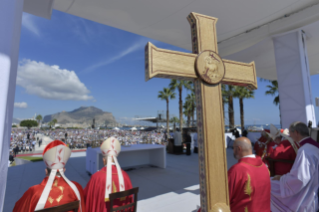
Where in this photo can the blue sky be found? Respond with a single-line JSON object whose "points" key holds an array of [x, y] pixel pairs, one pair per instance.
{"points": [[68, 62]]}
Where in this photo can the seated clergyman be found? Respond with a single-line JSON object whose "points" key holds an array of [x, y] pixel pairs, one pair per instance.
{"points": [[298, 189], [110, 179], [55, 189]]}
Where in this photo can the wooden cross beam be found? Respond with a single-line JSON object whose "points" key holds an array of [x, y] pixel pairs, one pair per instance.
{"points": [[205, 67]]}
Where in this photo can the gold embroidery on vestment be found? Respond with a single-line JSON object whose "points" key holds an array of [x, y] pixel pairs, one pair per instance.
{"points": [[50, 199], [59, 198], [248, 188], [114, 188], [61, 188], [246, 209]]}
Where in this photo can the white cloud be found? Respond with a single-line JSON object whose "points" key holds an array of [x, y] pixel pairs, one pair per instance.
{"points": [[29, 24], [20, 104], [51, 82], [134, 47]]}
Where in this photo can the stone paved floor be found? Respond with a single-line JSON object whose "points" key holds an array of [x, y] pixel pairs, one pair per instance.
{"points": [[172, 189]]}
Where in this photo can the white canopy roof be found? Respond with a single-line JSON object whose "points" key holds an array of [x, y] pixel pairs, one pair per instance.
{"points": [[241, 24]]}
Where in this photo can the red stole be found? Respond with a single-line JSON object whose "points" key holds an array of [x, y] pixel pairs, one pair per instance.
{"points": [[61, 193], [249, 186], [94, 192]]}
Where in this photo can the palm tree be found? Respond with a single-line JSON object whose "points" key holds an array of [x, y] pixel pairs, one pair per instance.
{"points": [[190, 98], [273, 90], [224, 97], [228, 95], [179, 84], [166, 94], [174, 120], [38, 118], [54, 121], [242, 93], [188, 112]]}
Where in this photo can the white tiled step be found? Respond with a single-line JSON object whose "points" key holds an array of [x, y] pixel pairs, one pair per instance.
{"points": [[182, 200]]}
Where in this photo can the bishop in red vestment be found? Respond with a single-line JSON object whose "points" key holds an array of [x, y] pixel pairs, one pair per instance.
{"points": [[95, 190], [286, 150], [248, 180], [55, 189], [260, 144], [61, 193], [109, 179]]}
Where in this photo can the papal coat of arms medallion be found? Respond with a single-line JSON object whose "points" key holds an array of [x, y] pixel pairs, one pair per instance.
{"points": [[210, 67]]}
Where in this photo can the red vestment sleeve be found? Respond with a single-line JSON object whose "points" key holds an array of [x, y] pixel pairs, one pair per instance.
{"points": [[29, 200]]}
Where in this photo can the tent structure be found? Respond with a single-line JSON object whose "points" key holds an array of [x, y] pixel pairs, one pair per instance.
{"points": [[280, 36], [116, 128]]}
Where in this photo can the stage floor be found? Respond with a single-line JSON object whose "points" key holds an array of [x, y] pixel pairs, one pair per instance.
{"points": [[175, 188]]}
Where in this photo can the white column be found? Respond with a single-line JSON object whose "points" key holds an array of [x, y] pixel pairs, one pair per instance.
{"points": [[293, 78], [10, 27]]}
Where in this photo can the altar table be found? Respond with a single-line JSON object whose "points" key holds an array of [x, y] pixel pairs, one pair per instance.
{"points": [[132, 156]]}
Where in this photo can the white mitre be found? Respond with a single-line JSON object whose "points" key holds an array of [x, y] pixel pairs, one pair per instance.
{"points": [[55, 156], [110, 149], [274, 132]]}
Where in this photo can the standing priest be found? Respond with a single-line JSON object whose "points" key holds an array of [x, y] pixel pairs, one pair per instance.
{"points": [[298, 189], [248, 180], [110, 179]]}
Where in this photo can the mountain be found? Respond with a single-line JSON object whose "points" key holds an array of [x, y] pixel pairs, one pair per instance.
{"points": [[82, 115]]}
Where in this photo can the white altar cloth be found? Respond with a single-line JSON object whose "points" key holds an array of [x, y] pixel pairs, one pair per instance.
{"points": [[132, 156]]}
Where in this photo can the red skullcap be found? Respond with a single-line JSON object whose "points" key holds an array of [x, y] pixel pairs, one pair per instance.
{"points": [[53, 144]]}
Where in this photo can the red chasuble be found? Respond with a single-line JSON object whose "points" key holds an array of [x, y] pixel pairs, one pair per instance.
{"points": [[283, 151], [269, 150], [61, 193], [249, 186], [260, 146], [94, 192]]}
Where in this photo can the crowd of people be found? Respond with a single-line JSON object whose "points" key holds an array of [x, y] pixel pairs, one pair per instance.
{"points": [[24, 141]]}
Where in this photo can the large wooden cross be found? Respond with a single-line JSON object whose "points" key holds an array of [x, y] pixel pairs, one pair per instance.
{"points": [[205, 67]]}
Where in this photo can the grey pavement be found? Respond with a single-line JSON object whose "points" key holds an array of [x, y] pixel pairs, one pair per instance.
{"points": [[177, 184]]}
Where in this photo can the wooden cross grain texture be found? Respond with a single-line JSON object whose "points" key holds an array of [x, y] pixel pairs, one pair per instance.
{"points": [[205, 67]]}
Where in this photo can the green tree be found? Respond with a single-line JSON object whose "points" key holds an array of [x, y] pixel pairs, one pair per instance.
{"points": [[242, 93], [224, 97], [228, 95], [174, 120], [54, 121], [28, 123], [191, 102], [273, 91], [166, 94], [187, 112], [38, 118], [179, 84]]}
